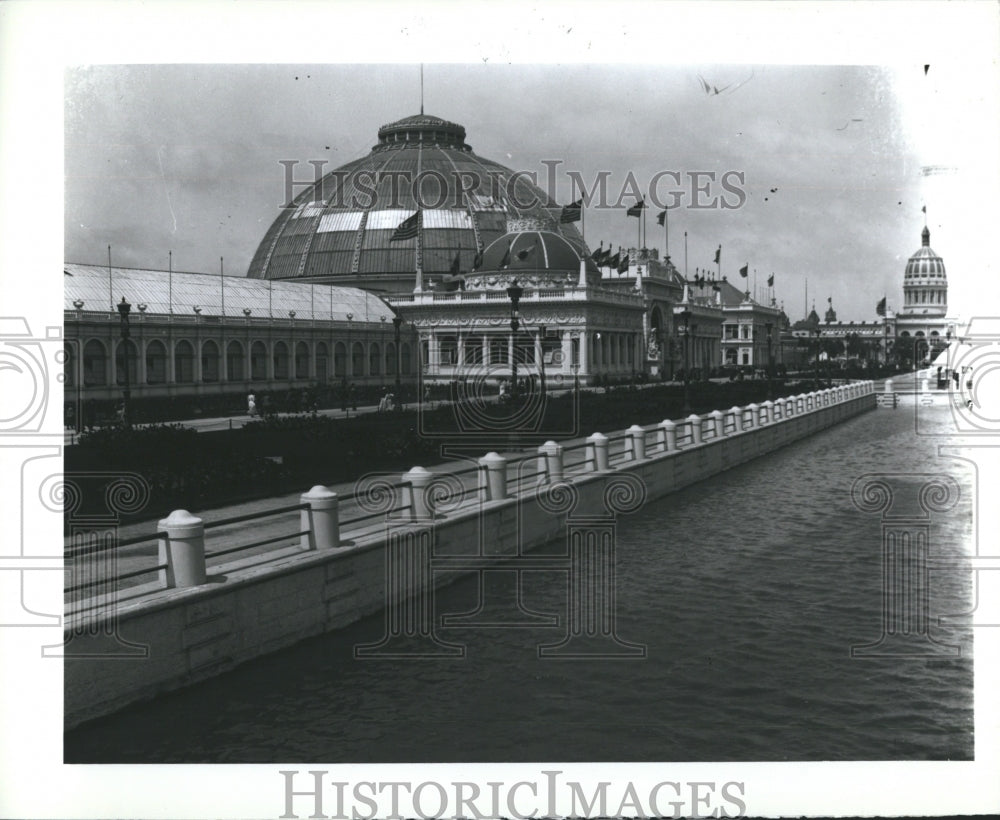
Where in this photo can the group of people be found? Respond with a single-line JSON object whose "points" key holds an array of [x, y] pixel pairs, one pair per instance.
{"points": [[387, 403]]}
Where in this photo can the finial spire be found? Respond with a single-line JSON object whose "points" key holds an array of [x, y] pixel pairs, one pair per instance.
{"points": [[421, 88]]}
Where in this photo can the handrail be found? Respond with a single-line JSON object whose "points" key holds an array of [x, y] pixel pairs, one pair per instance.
{"points": [[638, 442]]}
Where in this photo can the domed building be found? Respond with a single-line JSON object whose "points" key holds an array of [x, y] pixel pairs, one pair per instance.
{"points": [[351, 226], [570, 326], [922, 326], [925, 285]]}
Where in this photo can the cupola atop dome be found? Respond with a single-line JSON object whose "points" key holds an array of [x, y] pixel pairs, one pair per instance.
{"points": [[422, 129], [831, 314]]}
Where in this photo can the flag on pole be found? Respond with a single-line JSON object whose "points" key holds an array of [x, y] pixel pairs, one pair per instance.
{"points": [[524, 253], [571, 213], [636, 210], [456, 264], [770, 281], [623, 264], [505, 262], [880, 307], [596, 255], [744, 269], [478, 261], [616, 260], [661, 217], [407, 229], [718, 254]]}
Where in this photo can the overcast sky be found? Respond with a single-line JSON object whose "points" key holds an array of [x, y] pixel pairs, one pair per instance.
{"points": [[186, 158]]}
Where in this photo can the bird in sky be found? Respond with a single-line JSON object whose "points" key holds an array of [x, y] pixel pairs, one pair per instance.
{"points": [[853, 119]]}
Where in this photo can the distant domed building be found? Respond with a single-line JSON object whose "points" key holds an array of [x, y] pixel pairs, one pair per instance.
{"points": [[340, 229], [921, 325], [925, 285]]}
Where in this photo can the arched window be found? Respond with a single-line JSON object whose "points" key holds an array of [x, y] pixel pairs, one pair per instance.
{"points": [[133, 361], [258, 361], [183, 362], [357, 360], [280, 360], [209, 362], [373, 359], [156, 362], [95, 364], [322, 356], [405, 357], [301, 360], [69, 365], [390, 359], [234, 361], [340, 359]]}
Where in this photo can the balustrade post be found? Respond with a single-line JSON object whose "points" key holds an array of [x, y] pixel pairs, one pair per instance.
{"points": [[416, 481], [553, 456], [668, 435], [183, 550], [638, 439], [755, 419], [739, 421], [321, 522], [694, 422], [494, 485], [597, 452], [718, 424]]}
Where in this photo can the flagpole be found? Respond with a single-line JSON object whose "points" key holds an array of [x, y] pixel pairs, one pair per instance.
{"points": [[685, 255], [222, 282], [111, 283], [170, 281], [666, 235], [418, 255]]}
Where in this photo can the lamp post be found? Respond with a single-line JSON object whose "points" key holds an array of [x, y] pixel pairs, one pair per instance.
{"points": [[396, 322], [768, 327], [816, 363], [576, 383], [348, 363], [686, 330], [514, 291], [381, 348], [123, 311]]}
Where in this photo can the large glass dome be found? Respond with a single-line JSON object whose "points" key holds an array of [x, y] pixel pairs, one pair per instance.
{"points": [[339, 229]]}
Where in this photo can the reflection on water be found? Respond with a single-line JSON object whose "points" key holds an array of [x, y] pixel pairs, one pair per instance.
{"points": [[748, 590]]}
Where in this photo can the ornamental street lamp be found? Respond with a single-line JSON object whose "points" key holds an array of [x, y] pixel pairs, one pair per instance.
{"points": [[816, 363], [396, 322], [768, 326], [514, 291], [381, 348], [685, 329], [123, 311]]}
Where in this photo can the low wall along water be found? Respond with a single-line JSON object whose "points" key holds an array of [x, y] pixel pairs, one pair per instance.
{"points": [[415, 535]]}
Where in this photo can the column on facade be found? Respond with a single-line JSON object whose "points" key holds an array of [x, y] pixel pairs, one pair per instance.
{"points": [[433, 352], [582, 346], [460, 349], [538, 349], [486, 350], [567, 353]]}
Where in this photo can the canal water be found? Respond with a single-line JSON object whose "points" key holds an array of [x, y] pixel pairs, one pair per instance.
{"points": [[748, 592]]}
